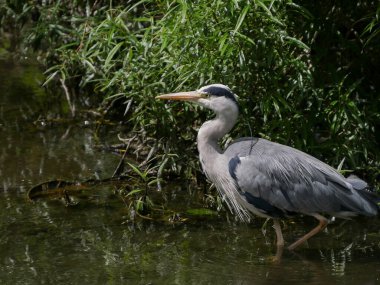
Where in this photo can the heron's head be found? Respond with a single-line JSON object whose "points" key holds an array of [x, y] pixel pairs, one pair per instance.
{"points": [[216, 97]]}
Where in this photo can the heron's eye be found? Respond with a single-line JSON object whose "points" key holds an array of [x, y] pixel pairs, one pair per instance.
{"points": [[205, 95]]}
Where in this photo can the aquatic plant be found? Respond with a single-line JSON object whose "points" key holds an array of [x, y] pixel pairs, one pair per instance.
{"points": [[137, 197]]}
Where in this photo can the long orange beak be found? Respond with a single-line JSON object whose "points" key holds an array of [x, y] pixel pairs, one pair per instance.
{"points": [[182, 96]]}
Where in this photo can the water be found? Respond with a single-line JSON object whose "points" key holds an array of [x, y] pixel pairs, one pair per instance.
{"points": [[95, 242]]}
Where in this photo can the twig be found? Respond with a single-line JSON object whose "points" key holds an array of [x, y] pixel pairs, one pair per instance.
{"points": [[120, 167], [71, 106]]}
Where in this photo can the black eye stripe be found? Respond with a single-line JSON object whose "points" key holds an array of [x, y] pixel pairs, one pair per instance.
{"points": [[219, 91]]}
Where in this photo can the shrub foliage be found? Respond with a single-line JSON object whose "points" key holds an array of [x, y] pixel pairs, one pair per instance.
{"points": [[304, 71]]}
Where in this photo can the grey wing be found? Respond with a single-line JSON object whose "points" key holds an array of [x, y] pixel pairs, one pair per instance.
{"points": [[241, 147], [277, 180]]}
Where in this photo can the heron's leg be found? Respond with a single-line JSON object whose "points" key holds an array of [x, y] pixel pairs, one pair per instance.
{"points": [[280, 241], [277, 228], [322, 224]]}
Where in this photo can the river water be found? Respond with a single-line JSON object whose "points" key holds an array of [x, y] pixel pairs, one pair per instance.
{"points": [[95, 242]]}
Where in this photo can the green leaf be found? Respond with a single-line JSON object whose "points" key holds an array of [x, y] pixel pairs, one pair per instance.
{"points": [[269, 13], [241, 18], [50, 77], [137, 170], [244, 37], [135, 191], [297, 43], [111, 55], [89, 64]]}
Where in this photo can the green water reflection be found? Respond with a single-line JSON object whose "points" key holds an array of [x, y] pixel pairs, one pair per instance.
{"points": [[34, 148], [46, 243], [94, 242]]}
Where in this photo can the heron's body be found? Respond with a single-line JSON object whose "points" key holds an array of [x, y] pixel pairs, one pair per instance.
{"points": [[271, 180], [279, 181]]}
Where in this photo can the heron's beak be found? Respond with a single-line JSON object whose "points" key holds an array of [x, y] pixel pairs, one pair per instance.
{"points": [[182, 96]]}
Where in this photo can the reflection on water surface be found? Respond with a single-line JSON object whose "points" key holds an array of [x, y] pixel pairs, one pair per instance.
{"points": [[95, 243]]}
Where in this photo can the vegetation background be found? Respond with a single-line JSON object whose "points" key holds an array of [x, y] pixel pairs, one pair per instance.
{"points": [[306, 71]]}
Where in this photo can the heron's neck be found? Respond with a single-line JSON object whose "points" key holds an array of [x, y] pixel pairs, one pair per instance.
{"points": [[211, 132]]}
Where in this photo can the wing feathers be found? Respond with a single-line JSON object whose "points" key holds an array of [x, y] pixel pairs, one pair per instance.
{"points": [[293, 181]]}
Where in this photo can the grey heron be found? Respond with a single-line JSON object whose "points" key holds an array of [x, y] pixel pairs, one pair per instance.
{"points": [[257, 176]]}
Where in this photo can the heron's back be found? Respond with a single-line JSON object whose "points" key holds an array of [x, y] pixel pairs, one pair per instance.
{"points": [[293, 181]]}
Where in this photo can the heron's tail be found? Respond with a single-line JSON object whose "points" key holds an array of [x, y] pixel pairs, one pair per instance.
{"points": [[357, 183], [363, 189]]}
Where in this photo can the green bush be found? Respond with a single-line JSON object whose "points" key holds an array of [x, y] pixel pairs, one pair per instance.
{"points": [[271, 53], [179, 45], [344, 41]]}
